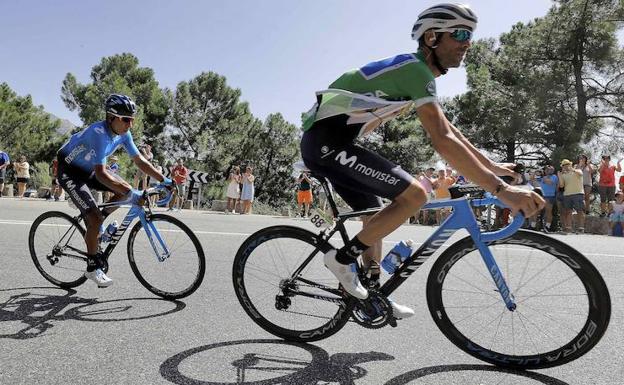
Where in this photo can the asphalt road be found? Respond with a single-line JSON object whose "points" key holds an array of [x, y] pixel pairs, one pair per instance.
{"points": [[126, 335]]}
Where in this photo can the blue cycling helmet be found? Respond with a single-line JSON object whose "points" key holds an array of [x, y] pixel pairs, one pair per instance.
{"points": [[120, 105]]}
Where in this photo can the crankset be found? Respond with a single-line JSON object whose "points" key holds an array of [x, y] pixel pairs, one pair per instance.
{"points": [[374, 312]]}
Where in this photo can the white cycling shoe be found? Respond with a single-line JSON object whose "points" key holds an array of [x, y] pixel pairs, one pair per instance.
{"points": [[99, 277], [401, 311], [346, 274]]}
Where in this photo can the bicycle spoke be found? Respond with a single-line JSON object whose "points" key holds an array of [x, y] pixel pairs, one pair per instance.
{"points": [[556, 292]]}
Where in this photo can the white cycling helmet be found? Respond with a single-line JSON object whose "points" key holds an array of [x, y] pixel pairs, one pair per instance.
{"points": [[445, 17]]}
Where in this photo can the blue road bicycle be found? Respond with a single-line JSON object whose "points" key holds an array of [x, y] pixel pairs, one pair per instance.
{"points": [[164, 254], [513, 298]]}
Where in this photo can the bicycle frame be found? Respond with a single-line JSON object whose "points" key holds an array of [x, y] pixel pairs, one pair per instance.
{"points": [[461, 217], [134, 212], [148, 226]]}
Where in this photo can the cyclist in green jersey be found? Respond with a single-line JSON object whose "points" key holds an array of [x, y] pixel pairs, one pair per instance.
{"points": [[360, 101]]}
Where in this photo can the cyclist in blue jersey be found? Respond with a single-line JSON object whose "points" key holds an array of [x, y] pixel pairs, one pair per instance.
{"points": [[82, 166], [361, 100]]}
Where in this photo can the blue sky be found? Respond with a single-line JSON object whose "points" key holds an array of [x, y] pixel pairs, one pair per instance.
{"points": [[278, 52]]}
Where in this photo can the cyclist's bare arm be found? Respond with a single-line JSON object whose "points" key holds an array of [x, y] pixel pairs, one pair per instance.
{"points": [[500, 169], [120, 187], [452, 148], [147, 167]]}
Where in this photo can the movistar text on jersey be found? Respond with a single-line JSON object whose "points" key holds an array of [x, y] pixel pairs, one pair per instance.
{"points": [[344, 160]]}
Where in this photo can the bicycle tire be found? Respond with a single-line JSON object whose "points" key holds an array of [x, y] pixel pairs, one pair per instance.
{"points": [[525, 355], [62, 264], [145, 265], [248, 261]]}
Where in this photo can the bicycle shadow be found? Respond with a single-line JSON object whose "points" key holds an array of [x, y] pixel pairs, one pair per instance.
{"points": [[40, 310], [495, 375], [272, 362], [265, 365]]}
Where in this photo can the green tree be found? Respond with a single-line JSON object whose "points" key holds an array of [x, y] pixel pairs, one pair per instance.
{"points": [[25, 128], [208, 123], [549, 85], [120, 74], [273, 148]]}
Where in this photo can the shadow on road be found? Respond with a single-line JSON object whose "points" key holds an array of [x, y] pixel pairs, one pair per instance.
{"points": [[269, 362], [474, 374], [39, 310], [264, 362]]}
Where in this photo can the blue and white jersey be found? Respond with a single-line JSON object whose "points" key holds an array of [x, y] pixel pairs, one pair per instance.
{"points": [[91, 146], [4, 158]]}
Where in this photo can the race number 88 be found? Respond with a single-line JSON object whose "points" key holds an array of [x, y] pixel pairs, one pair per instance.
{"points": [[317, 221]]}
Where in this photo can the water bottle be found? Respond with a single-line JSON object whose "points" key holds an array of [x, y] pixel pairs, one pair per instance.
{"points": [[110, 230], [399, 253]]}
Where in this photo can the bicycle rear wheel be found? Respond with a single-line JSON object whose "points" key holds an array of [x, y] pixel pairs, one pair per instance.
{"points": [[281, 282], [563, 305], [53, 241], [178, 275]]}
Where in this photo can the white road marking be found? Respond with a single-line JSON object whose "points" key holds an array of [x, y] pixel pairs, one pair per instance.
{"points": [[335, 238]]}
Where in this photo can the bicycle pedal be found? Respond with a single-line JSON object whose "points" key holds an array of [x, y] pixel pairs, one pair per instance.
{"points": [[392, 322]]}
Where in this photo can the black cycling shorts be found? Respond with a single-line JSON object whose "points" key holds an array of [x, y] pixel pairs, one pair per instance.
{"points": [[360, 176], [78, 184]]}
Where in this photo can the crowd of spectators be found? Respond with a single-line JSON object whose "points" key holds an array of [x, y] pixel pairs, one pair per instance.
{"points": [[569, 190]]}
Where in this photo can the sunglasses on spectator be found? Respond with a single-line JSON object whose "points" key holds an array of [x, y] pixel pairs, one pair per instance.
{"points": [[461, 35]]}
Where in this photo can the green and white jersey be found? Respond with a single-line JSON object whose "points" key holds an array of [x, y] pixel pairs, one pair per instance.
{"points": [[376, 92]]}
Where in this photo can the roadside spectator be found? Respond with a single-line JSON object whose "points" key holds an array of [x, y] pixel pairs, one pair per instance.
{"points": [[588, 177], [4, 163], [180, 176], [140, 178], [247, 193], [606, 184], [621, 182], [22, 171], [550, 184], [233, 190], [571, 179], [441, 191], [426, 181], [56, 188], [153, 183], [304, 194], [617, 211], [179, 173]]}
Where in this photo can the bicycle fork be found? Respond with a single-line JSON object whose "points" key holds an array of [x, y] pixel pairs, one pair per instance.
{"points": [[150, 229], [497, 275]]}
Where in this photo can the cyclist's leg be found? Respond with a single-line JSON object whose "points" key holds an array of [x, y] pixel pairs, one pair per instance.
{"points": [[78, 190], [93, 183], [358, 169], [358, 174]]}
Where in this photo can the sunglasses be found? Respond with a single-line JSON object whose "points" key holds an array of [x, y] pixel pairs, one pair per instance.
{"points": [[125, 119], [461, 35]]}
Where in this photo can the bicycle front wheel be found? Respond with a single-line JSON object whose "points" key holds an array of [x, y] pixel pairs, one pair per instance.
{"points": [[54, 241], [171, 273], [281, 282], [563, 305]]}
